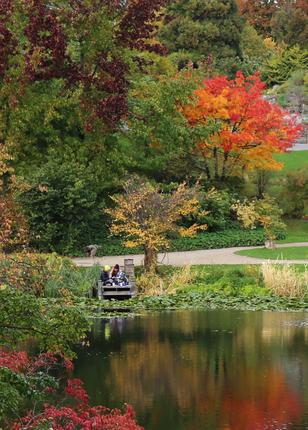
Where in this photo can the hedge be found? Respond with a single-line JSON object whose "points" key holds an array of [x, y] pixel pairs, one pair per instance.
{"points": [[205, 240]]}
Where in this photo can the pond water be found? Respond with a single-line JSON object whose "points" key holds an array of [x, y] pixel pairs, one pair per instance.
{"points": [[202, 370]]}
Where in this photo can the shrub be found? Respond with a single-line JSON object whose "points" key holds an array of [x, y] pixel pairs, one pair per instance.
{"points": [[224, 239], [215, 211], [284, 280], [30, 390]]}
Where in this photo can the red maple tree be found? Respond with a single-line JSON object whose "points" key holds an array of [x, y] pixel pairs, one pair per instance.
{"points": [[245, 129]]}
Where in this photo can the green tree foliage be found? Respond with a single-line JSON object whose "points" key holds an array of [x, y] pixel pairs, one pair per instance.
{"points": [[254, 50], [294, 194], [296, 90], [65, 198], [215, 211], [158, 139], [283, 64], [203, 30], [64, 79], [55, 325]]}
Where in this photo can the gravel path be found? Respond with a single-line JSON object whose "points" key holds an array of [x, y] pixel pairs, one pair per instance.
{"points": [[208, 256]]}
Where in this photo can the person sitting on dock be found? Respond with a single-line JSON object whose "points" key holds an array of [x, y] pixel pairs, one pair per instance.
{"points": [[118, 277], [105, 274], [115, 271]]}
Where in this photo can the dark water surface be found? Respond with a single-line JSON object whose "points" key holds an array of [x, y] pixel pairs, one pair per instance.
{"points": [[202, 370]]}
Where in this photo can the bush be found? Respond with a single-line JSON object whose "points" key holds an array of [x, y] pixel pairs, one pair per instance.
{"points": [[215, 211]]}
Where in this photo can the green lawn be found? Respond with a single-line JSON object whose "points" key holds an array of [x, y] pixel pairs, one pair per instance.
{"points": [[290, 253], [297, 231], [292, 160]]}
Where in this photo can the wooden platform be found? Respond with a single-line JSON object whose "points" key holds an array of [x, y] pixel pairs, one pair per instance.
{"points": [[115, 291]]}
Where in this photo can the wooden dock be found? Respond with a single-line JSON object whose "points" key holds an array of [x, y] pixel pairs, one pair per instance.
{"points": [[117, 291]]}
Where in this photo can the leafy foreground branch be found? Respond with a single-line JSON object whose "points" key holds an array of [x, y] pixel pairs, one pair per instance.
{"points": [[55, 324]]}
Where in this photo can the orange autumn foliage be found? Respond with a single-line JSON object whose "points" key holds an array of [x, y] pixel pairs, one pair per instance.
{"points": [[13, 226], [246, 129]]}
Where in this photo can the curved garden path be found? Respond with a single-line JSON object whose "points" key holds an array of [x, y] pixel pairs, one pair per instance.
{"points": [[208, 256]]}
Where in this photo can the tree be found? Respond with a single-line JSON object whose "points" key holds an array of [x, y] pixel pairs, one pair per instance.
{"points": [[158, 136], [296, 90], [259, 13], [88, 45], [290, 23], [65, 73], [254, 49], [280, 67], [199, 30], [247, 129], [294, 194], [144, 216]]}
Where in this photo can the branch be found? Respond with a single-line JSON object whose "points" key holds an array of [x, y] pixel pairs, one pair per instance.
{"points": [[29, 329]]}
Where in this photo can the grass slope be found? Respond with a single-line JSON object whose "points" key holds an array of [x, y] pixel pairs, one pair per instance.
{"points": [[290, 253], [294, 160], [297, 231]]}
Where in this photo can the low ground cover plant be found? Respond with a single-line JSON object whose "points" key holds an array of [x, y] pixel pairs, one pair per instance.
{"points": [[204, 240]]}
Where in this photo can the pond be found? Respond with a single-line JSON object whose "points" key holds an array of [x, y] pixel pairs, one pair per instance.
{"points": [[202, 370]]}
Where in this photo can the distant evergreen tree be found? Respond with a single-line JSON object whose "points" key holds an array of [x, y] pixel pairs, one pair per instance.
{"points": [[203, 31]]}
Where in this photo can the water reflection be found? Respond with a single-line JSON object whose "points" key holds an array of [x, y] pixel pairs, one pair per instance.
{"points": [[198, 370]]}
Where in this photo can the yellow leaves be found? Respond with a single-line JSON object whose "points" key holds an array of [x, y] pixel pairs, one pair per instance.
{"points": [[192, 230], [264, 212], [246, 213], [144, 215], [131, 243], [43, 188]]}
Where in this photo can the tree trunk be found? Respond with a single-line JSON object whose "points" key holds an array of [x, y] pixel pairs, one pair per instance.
{"points": [[150, 259], [270, 244]]}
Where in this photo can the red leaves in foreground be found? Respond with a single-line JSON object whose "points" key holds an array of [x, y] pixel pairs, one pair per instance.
{"points": [[79, 415], [14, 360], [68, 418]]}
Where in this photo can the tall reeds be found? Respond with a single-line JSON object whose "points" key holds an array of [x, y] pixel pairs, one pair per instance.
{"points": [[285, 280]]}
